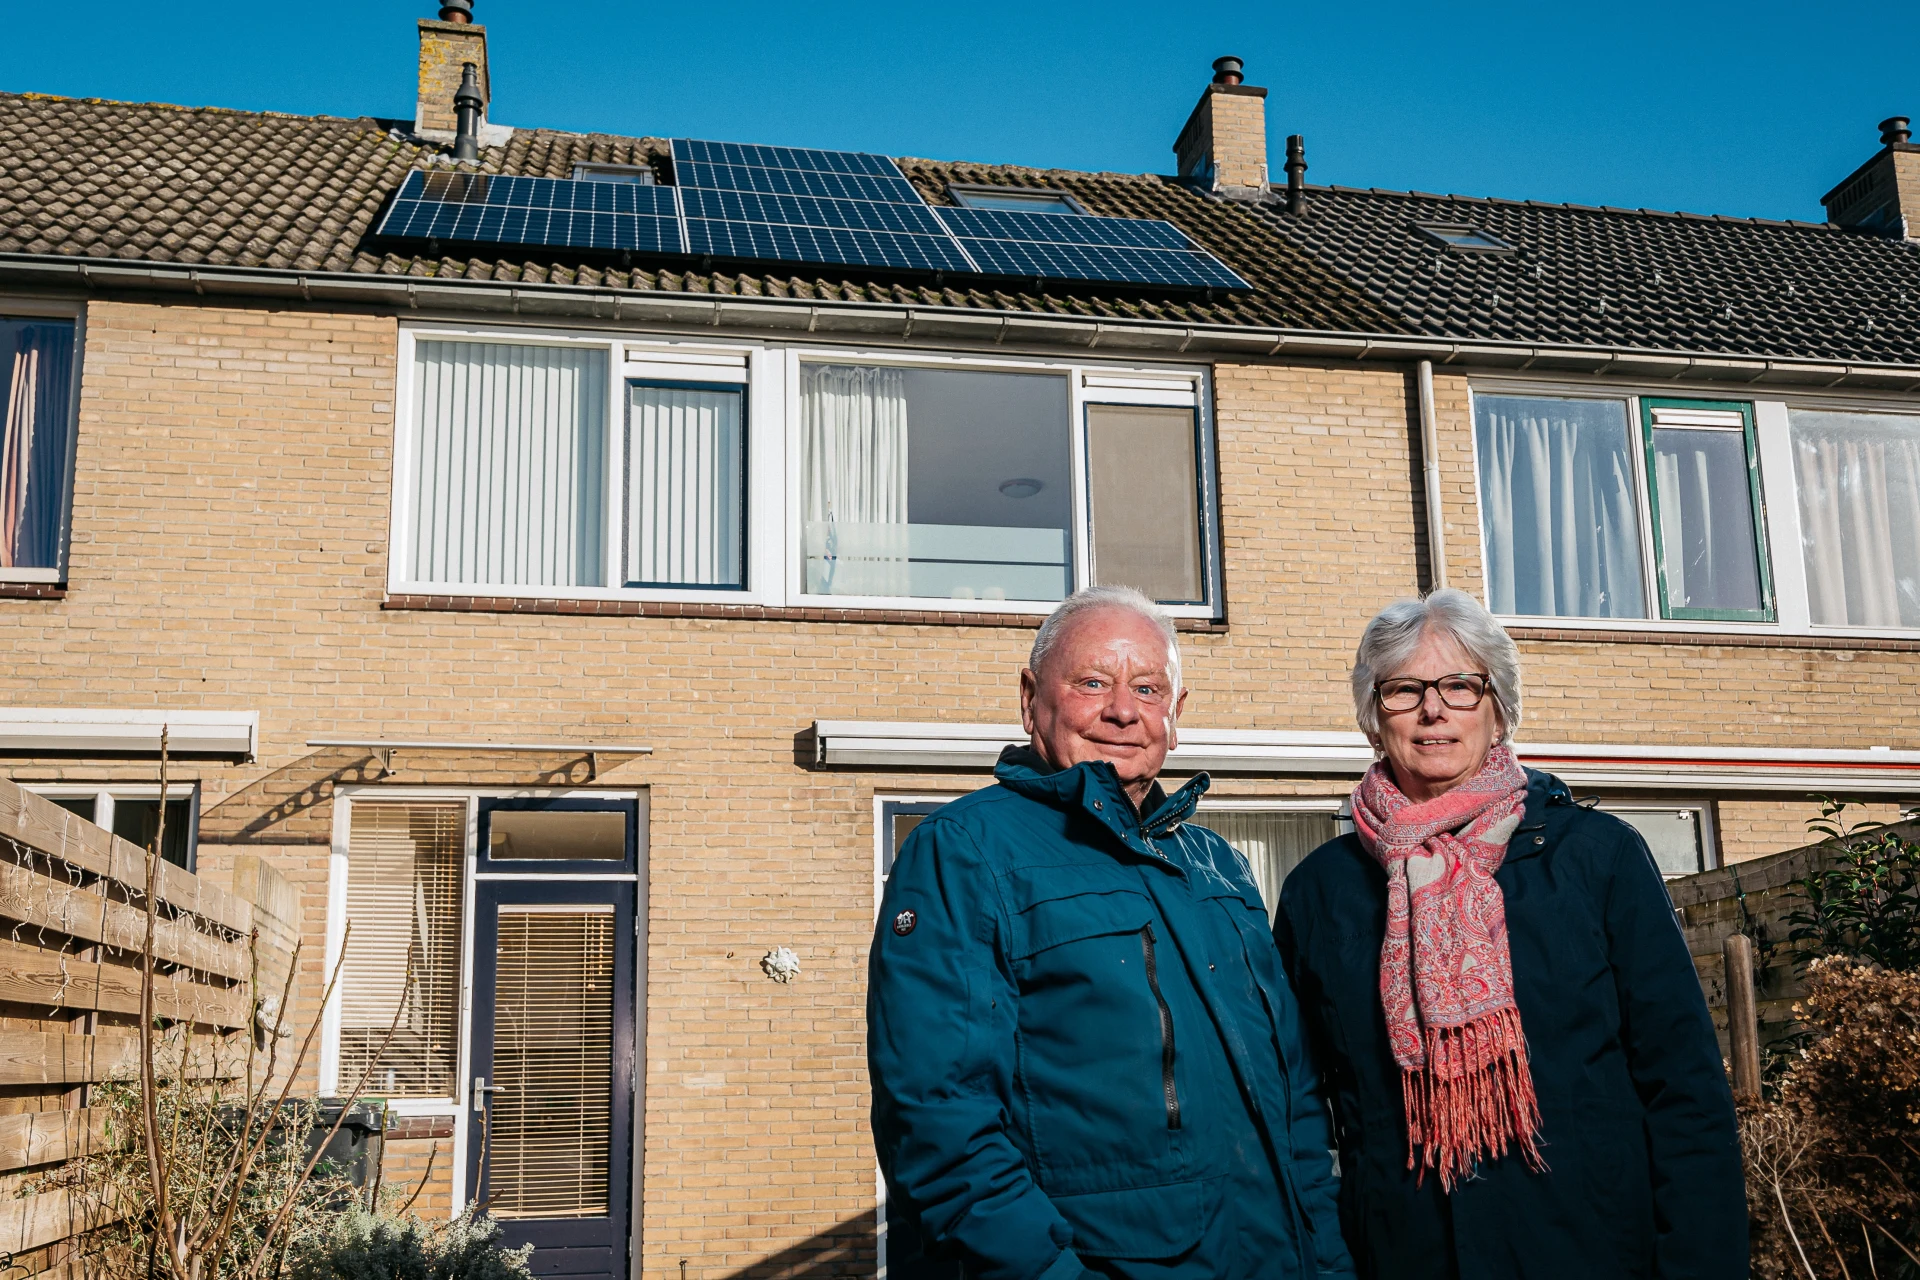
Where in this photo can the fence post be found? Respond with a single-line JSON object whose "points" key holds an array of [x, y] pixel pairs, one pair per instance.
{"points": [[1743, 1030]]}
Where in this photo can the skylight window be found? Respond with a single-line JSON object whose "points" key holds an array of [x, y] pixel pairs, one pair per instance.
{"points": [[628, 174], [1460, 236], [1015, 199]]}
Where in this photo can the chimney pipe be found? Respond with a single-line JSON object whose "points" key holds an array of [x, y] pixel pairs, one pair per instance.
{"points": [[467, 104], [457, 11], [1894, 131], [1228, 70], [1296, 174]]}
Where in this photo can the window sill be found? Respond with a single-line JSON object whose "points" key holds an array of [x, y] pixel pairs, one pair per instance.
{"points": [[740, 612], [33, 590], [1712, 639]]}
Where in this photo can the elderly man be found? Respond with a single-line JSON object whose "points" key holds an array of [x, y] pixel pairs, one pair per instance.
{"points": [[1086, 1059]]}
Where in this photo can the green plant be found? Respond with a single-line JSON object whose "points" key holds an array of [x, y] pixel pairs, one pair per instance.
{"points": [[366, 1246], [1866, 904]]}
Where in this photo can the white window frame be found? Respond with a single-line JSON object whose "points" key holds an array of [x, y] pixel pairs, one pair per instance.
{"points": [[1708, 832], [42, 308], [108, 794], [470, 876], [770, 373], [1779, 500]]}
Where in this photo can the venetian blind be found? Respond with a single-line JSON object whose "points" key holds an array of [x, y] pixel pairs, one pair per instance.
{"points": [[403, 899], [548, 1122]]}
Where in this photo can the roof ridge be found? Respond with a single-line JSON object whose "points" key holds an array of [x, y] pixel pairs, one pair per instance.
{"points": [[30, 96], [1619, 210]]}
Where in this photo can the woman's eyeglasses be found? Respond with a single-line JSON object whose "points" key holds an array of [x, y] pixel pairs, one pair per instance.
{"points": [[1462, 691]]}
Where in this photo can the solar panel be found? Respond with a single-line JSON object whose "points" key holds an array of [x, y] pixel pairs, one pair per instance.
{"points": [[793, 204], [485, 208], [1070, 246], [746, 203]]}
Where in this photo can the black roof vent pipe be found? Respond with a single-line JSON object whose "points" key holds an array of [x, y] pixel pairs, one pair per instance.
{"points": [[467, 105], [457, 11], [1296, 173], [1894, 131]]}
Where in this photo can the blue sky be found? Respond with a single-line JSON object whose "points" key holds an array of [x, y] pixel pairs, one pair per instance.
{"points": [[1754, 109]]}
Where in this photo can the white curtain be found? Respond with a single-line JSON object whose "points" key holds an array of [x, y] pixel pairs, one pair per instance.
{"points": [[1859, 483], [1557, 508], [510, 453], [853, 426], [684, 498]]}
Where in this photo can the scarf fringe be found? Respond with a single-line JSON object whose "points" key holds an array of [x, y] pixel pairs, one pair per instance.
{"points": [[1472, 1100]]}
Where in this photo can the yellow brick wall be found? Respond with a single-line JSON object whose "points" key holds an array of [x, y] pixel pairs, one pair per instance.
{"points": [[229, 551]]}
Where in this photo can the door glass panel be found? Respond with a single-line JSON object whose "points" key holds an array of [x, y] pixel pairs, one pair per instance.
{"points": [[598, 835], [1703, 495], [1144, 487], [1273, 843], [548, 1121]]}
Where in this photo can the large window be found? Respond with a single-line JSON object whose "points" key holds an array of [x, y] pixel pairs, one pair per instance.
{"points": [[401, 954], [1858, 477], [1579, 519], [1559, 507], [593, 467], [1273, 840], [36, 445], [935, 483]]}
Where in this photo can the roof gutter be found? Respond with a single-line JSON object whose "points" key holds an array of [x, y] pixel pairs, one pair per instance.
{"points": [[882, 322]]}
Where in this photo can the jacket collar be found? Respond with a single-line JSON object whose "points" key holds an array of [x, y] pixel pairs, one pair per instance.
{"points": [[1093, 788], [1543, 791]]}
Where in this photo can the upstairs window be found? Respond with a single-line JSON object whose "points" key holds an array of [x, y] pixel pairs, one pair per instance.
{"points": [[1559, 507], [1859, 495], [36, 445], [1705, 475], [935, 483]]}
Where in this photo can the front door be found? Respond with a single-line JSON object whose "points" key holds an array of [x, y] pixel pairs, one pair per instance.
{"points": [[551, 1139]]}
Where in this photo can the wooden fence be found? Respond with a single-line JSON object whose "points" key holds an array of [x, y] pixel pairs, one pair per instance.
{"points": [[72, 923], [1754, 898]]}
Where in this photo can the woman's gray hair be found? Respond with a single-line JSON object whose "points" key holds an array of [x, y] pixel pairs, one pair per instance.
{"points": [[1090, 598], [1396, 631]]}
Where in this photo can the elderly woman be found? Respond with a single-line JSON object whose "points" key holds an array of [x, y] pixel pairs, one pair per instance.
{"points": [[1523, 1075]]}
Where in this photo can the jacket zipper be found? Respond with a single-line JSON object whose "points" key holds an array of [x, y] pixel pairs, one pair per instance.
{"points": [[1166, 1028]]}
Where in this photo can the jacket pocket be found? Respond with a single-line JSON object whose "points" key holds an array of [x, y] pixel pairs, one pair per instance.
{"points": [[1141, 1222]]}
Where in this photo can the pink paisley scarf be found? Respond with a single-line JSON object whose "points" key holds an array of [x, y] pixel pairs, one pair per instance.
{"points": [[1446, 976]]}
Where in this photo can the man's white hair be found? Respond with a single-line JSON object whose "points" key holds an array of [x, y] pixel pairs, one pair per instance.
{"points": [[1396, 631], [1088, 599]]}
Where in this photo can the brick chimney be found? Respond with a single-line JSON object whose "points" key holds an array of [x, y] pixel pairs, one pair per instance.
{"points": [[446, 46], [1883, 194], [1225, 141]]}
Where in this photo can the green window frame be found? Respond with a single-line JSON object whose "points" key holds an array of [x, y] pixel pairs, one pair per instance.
{"points": [[1756, 510]]}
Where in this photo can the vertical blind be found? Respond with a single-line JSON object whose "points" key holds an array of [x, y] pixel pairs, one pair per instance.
{"points": [[548, 1124], [1273, 842], [685, 497], [1143, 486], [1859, 477], [510, 465], [36, 440], [1561, 526], [404, 866]]}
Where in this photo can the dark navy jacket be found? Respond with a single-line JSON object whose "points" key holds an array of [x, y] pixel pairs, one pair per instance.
{"points": [[1638, 1126], [1078, 1028]]}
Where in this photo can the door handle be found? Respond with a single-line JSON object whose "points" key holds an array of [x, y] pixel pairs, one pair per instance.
{"points": [[480, 1091]]}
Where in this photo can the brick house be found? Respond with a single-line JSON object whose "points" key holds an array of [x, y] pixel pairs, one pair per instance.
{"points": [[588, 623]]}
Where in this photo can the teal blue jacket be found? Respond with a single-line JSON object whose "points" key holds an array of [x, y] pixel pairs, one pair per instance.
{"points": [[1077, 1022]]}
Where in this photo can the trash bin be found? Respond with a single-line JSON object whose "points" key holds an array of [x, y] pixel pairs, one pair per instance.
{"points": [[352, 1150]]}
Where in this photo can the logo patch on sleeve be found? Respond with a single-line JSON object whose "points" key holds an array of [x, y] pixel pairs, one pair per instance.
{"points": [[904, 922]]}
